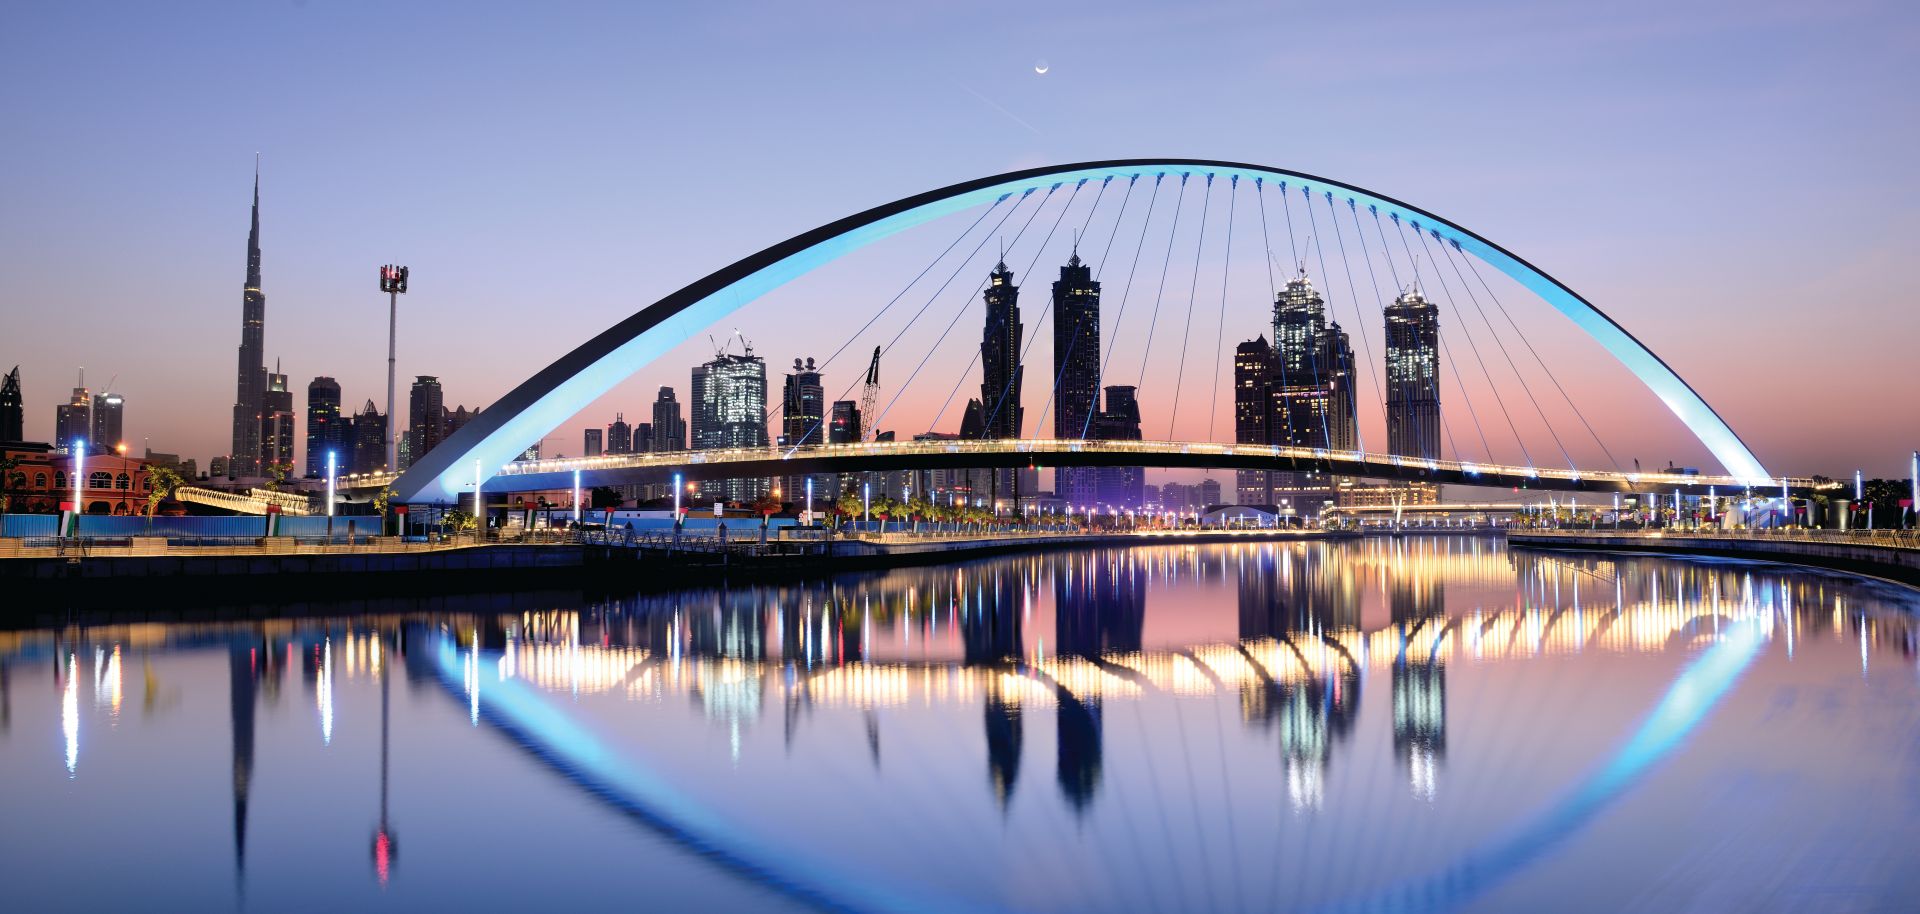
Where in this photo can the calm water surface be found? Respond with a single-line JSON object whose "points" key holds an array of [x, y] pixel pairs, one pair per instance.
{"points": [[1388, 724]]}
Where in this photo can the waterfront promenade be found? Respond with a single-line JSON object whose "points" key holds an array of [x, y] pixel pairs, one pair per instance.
{"points": [[1890, 554]]}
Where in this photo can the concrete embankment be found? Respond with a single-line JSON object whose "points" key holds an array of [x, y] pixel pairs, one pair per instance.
{"points": [[173, 575], [275, 577], [1894, 561]]}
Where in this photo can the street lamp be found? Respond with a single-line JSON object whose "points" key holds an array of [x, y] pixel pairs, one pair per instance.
{"points": [[676, 498], [393, 281], [79, 477], [809, 501], [576, 497], [332, 471]]}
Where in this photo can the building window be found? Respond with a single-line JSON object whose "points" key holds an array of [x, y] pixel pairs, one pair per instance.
{"points": [[122, 482], [60, 479], [39, 480], [100, 481]]}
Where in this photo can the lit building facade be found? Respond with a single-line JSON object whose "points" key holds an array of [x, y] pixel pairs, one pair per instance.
{"points": [[109, 421], [276, 426], [73, 420], [731, 412], [1413, 377], [13, 411], [1076, 370], [426, 417], [326, 428], [250, 382]]}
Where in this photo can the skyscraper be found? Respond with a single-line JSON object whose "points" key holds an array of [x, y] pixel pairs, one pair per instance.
{"points": [[250, 382], [1120, 487], [13, 412], [73, 420], [619, 435], [326, 428], [732, 413], [1253, 377], [1000, 370], [802, 419], [592, 446], [1336, 365], [1413, 376], [669, 427], [1312, 392], [1000, 374], [369, 440], [1076, 369], [276, 424], [426, 417], [109, 421]]}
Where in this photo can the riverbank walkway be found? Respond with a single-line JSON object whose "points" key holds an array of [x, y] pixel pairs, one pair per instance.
{"points": [[1889, 554]]}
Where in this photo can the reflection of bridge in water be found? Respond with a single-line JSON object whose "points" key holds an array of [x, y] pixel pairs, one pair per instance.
{"points": [[1067, 635]]}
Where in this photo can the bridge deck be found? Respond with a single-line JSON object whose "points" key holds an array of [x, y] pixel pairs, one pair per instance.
{"points": [[629, 469]]}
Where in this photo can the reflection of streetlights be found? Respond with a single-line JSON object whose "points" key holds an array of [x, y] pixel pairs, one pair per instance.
{"points": [[385, 848]]}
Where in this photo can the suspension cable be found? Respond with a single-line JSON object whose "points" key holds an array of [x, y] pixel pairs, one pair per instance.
{"points": [[904, 290], [1386, 345], [962, 265], [1019, 368], [1529, 344], [1366, 347], [1074, 343], [1126, 293], [1524, 386], [1501, 401], [1273, 291], [1220, 327], [1193, 286], [956, 319], [1320, 252], [1178, 204]]}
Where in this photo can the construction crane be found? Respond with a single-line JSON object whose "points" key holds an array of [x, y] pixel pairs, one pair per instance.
{"points": [[869, 396]]}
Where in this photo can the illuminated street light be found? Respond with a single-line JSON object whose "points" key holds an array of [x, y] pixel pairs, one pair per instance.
{"points": [[393, 281]]}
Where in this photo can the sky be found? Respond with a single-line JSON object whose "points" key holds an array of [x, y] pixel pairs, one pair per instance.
{"points": [[1729, 181]]}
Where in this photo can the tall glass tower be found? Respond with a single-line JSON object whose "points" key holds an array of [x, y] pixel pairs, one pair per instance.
{"points": [[250, 383], [1413, 376], [732, 413], [326, 428], [1076, 368]]}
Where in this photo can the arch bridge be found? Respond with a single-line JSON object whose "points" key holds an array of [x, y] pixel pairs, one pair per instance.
{"points": [[485, 450]]}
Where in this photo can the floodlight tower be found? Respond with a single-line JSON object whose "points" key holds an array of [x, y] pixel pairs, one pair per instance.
{"points": [[393, 281]]}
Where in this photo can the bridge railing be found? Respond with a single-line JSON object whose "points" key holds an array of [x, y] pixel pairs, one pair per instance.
{"points": [[1146, 449]]}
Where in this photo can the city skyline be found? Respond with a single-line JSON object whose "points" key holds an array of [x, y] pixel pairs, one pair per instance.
{"points": [[1671, 287]]}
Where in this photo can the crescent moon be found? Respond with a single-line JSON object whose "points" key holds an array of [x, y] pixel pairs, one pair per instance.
{"points": [[1041, 69]]}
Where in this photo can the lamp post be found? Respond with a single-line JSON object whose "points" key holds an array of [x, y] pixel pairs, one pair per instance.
{"points": [[393, 281], [809, 501], [79, 478], [576, 497], [332, 471], [676, 500], [479, 511]]}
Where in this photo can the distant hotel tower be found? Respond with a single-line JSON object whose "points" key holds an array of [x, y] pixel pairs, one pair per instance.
{"points": [[1000, 373], [326, 428], [669, 427], [251, 381], [1413, 377], [1076, 366], [276, 424]]}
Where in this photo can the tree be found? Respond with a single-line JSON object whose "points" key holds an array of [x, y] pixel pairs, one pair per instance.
{"points": [[766, 506], [7, 467], [380, 502], [847, 505], [161, 483], [882, 508], [605, 497]]}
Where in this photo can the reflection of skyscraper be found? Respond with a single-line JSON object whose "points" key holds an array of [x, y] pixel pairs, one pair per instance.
{"points": [[243, 671], [1416, 599], [992, 636], [1100, 602]]}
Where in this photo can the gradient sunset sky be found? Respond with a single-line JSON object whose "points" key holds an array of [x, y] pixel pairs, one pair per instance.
{"points": [[1730, 181]]}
